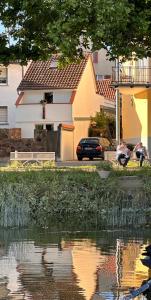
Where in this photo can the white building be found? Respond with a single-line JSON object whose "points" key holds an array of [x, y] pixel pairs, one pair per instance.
{"points": [[10, 78], [102, 65]]}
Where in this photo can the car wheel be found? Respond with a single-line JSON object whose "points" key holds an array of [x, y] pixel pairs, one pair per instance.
{"points": [[79, 158], [103, 158], [90, 158]]}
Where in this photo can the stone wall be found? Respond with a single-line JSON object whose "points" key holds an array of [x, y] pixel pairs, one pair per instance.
{"points": [[10, 140]]}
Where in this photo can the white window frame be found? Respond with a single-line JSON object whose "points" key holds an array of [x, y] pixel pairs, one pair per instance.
{"points": [[4, 83]]}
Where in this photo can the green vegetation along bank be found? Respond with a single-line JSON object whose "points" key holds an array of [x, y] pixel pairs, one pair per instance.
{"points": [[73, 196]]}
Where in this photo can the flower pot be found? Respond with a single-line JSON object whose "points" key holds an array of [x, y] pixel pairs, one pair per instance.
{"points": [[103, 173]]}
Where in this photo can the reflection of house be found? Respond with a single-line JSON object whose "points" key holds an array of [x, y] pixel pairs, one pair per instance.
{"points": [[107, 277], [133, 79], [10, 77], [86, 259], [58, 100], [133, 271], [73, 268]]}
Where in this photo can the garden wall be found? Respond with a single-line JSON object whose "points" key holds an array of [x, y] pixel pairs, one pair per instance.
{"points": [[10, 140]]}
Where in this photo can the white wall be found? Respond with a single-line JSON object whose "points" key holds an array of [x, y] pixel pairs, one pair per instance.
{"points": [[27, 116], [35, 96], [104, 66], [8, 92]]}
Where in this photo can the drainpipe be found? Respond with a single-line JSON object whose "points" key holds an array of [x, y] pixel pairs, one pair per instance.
{"points": [[22, 71], [117, 103]]}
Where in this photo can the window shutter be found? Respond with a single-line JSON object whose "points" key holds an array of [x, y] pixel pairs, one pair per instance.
{"points": [[3, 114]]}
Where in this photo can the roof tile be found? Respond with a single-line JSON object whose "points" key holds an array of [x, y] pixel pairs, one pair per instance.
{"points": [[40, 75], [104, 88]]}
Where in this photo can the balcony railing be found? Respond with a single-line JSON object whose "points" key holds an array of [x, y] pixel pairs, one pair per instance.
{"points": [[131, 76]]}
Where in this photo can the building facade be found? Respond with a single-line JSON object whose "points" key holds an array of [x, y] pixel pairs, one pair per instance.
{"points": [[133, 80], [10, 78], [54, 98]]}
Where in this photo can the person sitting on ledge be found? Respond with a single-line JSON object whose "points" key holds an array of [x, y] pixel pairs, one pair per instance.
{"points": [[123, 154], [141, 153]]}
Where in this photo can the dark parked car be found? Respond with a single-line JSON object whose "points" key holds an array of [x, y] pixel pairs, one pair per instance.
{"points": [[90, 147]]}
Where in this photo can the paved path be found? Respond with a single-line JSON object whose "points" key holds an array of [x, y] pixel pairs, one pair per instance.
{"points": [[76, 163]]}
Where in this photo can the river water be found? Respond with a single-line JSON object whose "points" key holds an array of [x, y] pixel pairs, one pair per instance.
{"points": [[44, 264]]}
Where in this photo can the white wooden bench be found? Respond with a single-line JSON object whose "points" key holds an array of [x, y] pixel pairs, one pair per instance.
{"points": [[32, 156]]}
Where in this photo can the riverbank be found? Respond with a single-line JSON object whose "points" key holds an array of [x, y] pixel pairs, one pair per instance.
{"points": [[29, 197]]}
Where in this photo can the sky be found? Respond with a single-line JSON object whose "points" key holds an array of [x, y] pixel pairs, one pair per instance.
{"points": [[1, 28]]}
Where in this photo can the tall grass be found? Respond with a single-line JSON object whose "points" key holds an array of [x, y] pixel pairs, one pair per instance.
{"points": [[37, 197]]}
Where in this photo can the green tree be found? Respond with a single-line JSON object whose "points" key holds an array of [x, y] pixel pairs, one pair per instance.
{"points": [[34, 29], [102, 124]]}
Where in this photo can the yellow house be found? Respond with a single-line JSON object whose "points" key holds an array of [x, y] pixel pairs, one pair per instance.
{"points": [[133, 79], [61, 101]]}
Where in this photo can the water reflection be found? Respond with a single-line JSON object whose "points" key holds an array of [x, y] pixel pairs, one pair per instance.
{"points": [[42, 265]]}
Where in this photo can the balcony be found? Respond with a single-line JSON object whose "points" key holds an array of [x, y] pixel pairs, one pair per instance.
{"points": [[33, 113], [138, 78], [131, 76]]}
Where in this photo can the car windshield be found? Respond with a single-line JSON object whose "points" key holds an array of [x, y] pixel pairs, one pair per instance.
{"points": [[92, 141]]}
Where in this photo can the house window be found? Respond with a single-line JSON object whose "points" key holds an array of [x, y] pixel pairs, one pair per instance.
{"points": [[54, 64], [39, 127], [99, 77], [48, 97], [3, 114], [107, 76], [49, 127], [3, 75]]}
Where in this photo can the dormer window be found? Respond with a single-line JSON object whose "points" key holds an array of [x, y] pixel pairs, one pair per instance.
{"points": [[53, 64], [3, 75], [48, 97]]}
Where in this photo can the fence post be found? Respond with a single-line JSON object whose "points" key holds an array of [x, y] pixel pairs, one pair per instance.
{"points": [[117, 105], [16, 154]]}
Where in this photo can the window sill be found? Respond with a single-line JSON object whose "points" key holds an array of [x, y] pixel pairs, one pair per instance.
{"points": [[4, 123]]}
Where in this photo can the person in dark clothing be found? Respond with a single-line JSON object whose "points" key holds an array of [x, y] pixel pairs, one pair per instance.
{"points": [[141, 153], [123, 154]]}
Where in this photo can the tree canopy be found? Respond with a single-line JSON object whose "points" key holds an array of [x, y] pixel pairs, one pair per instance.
{"points": [[34, 29]]}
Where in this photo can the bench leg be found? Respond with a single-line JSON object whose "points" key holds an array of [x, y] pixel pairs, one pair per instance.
{"points": [[30, 162]]}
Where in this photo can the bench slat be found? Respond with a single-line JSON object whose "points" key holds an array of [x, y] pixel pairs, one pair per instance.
{"points": [[32, 155]]}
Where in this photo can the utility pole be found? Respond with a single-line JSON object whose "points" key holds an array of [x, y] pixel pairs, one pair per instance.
{"points": [[117, 103]]}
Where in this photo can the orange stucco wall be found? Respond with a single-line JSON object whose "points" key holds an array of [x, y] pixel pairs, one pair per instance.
{"points": [[136, 117], [86, 104]]}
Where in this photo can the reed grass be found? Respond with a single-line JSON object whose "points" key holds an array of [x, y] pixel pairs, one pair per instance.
{"points": [[36, 197]]}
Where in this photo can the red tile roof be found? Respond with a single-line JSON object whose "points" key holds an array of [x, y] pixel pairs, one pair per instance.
{"points": [[104, 88], [40, 75]]}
